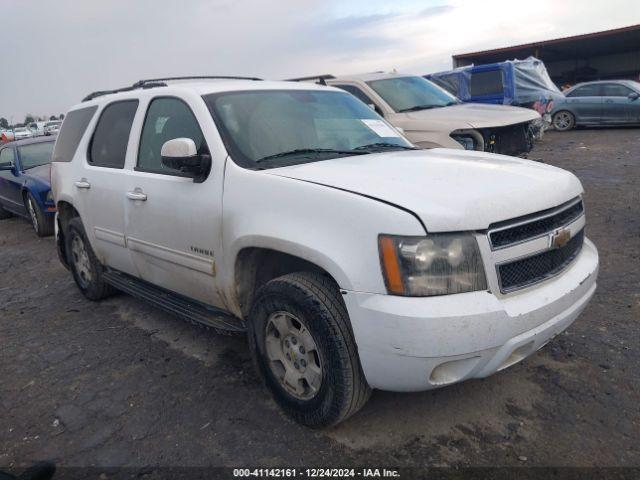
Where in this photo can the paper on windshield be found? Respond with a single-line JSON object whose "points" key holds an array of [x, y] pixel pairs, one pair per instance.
{"points": [[380, 128]]}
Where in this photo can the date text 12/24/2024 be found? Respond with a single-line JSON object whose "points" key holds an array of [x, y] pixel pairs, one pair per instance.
{"points": [[315, 473]]}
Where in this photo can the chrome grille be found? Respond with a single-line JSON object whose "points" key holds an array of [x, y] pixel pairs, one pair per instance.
{"points": [[512, 232], [536, 268]]}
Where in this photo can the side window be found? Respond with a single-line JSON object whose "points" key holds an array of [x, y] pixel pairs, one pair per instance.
{"points": [[356, 92], [615, 90], [167, 118], [360, 95], [486, 83], [109, 143], [71, 132], [586, 91], [7, 155]]}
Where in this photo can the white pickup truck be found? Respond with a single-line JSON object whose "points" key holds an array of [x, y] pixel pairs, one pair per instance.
{"points": [[292, 211]]}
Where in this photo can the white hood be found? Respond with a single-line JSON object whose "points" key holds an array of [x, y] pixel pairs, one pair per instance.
{"points": [[473, 115], [450, 190]]}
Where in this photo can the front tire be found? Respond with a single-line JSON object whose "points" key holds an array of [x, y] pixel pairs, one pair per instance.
{"points": [[301, 341], [563, 120], [42, 224], [85, 267]]}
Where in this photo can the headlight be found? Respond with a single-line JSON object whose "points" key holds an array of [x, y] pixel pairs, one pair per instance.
{"points": [[466, 141], [49, 197], [438, 264]]}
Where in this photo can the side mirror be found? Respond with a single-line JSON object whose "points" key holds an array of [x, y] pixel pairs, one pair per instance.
{"points": [[634, 95], [181, 154], [6, 166]]}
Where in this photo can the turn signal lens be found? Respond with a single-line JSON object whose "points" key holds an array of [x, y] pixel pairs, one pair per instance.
{"points": [[390, 265]]}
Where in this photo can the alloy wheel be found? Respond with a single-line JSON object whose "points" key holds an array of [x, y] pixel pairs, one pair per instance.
{"points": [[32, 213], [562, 121]]}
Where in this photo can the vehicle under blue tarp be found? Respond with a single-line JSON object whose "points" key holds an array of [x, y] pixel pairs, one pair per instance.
{"points": [[523, 83]]}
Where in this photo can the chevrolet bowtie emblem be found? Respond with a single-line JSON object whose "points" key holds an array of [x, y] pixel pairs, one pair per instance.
{"points": [[560, 238]]}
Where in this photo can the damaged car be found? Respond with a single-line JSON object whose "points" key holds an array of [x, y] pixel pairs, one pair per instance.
{"points": [[431, 117], [294, 213]]}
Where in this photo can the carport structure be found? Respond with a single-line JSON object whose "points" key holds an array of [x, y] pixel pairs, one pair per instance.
{"points": [[593, 56]]}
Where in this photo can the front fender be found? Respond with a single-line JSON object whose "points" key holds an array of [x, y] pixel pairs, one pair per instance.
{"points": [[331, 228]]}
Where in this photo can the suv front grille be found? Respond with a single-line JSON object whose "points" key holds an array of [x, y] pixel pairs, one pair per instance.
{"points": [[535, 228], [534, 269]]}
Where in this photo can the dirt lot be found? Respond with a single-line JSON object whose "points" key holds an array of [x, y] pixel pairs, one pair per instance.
{"points": [[120, 383]]}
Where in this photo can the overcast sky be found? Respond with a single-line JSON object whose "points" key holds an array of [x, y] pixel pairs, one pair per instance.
{"points": [[55, 52]]}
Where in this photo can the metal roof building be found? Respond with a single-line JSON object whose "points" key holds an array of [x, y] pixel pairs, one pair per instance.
{"points": [[592, 56]]}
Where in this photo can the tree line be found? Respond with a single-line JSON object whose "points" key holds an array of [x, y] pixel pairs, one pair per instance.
{"points": [[4, 123]]}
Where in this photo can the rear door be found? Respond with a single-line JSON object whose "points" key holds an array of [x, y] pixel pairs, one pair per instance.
{"points": [[10, 184], [174, 224], [617, 107], [586, 103], [100, 184]]}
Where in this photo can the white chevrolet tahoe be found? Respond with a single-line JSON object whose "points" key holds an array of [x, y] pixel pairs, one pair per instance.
{"points": [[292, 211]]}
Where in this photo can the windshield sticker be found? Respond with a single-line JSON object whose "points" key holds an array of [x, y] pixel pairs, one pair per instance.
{"points": [[380, 128]]}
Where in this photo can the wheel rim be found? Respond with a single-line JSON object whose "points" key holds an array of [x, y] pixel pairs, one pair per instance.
{"points": [[81, 261], [32, 213], [293, 355], [562, 121]]}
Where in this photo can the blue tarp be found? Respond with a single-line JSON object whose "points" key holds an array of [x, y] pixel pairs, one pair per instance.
{"points": [[513, 82]]}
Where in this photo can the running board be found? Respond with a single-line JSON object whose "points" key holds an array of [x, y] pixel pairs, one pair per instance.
{"points": [[178, 305]]}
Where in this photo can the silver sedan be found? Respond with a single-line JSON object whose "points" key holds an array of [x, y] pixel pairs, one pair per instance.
{"points": [[610, 102]]}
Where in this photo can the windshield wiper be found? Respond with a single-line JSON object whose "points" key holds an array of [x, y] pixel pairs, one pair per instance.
{"points": [[383, 145], [302, 151], [418, 107]]}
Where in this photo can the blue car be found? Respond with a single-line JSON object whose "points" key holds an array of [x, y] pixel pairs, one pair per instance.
{"points": [[601, 103], [25, 182]]}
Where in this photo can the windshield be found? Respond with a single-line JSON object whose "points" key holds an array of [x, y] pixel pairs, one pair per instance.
{"points": [[406, 94], [35, 154], [274, 128]]}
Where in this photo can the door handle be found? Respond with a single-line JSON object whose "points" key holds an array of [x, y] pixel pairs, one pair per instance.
{"points": [[82, 184], [137, 195], [608, 101]]}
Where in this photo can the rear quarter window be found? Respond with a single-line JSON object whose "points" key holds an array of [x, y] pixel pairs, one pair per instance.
{"points": [[73, 127]]}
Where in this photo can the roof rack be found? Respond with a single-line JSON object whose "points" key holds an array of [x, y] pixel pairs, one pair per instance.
{"points": [[320, 79], [160, 82]]}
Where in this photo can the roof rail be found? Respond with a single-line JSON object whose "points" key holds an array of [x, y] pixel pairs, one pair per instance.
{"points": [[160, 82], [321, 79]]}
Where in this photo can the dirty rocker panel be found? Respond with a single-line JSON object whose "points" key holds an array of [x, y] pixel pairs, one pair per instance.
{"points": [[178, 305]]}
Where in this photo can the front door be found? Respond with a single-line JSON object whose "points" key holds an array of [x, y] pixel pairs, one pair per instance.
{"points": [[10, 194], [617, 107], [174, 224]]}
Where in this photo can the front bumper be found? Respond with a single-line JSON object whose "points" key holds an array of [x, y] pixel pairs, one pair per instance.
{"points": [[413, 344]]}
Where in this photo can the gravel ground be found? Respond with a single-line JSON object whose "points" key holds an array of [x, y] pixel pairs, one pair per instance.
{"points": [[119, 383]]}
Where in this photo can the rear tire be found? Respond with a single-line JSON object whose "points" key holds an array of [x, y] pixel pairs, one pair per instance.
{"points": [[85, 267], [563, 120], [315, 316], [42, 224]]}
